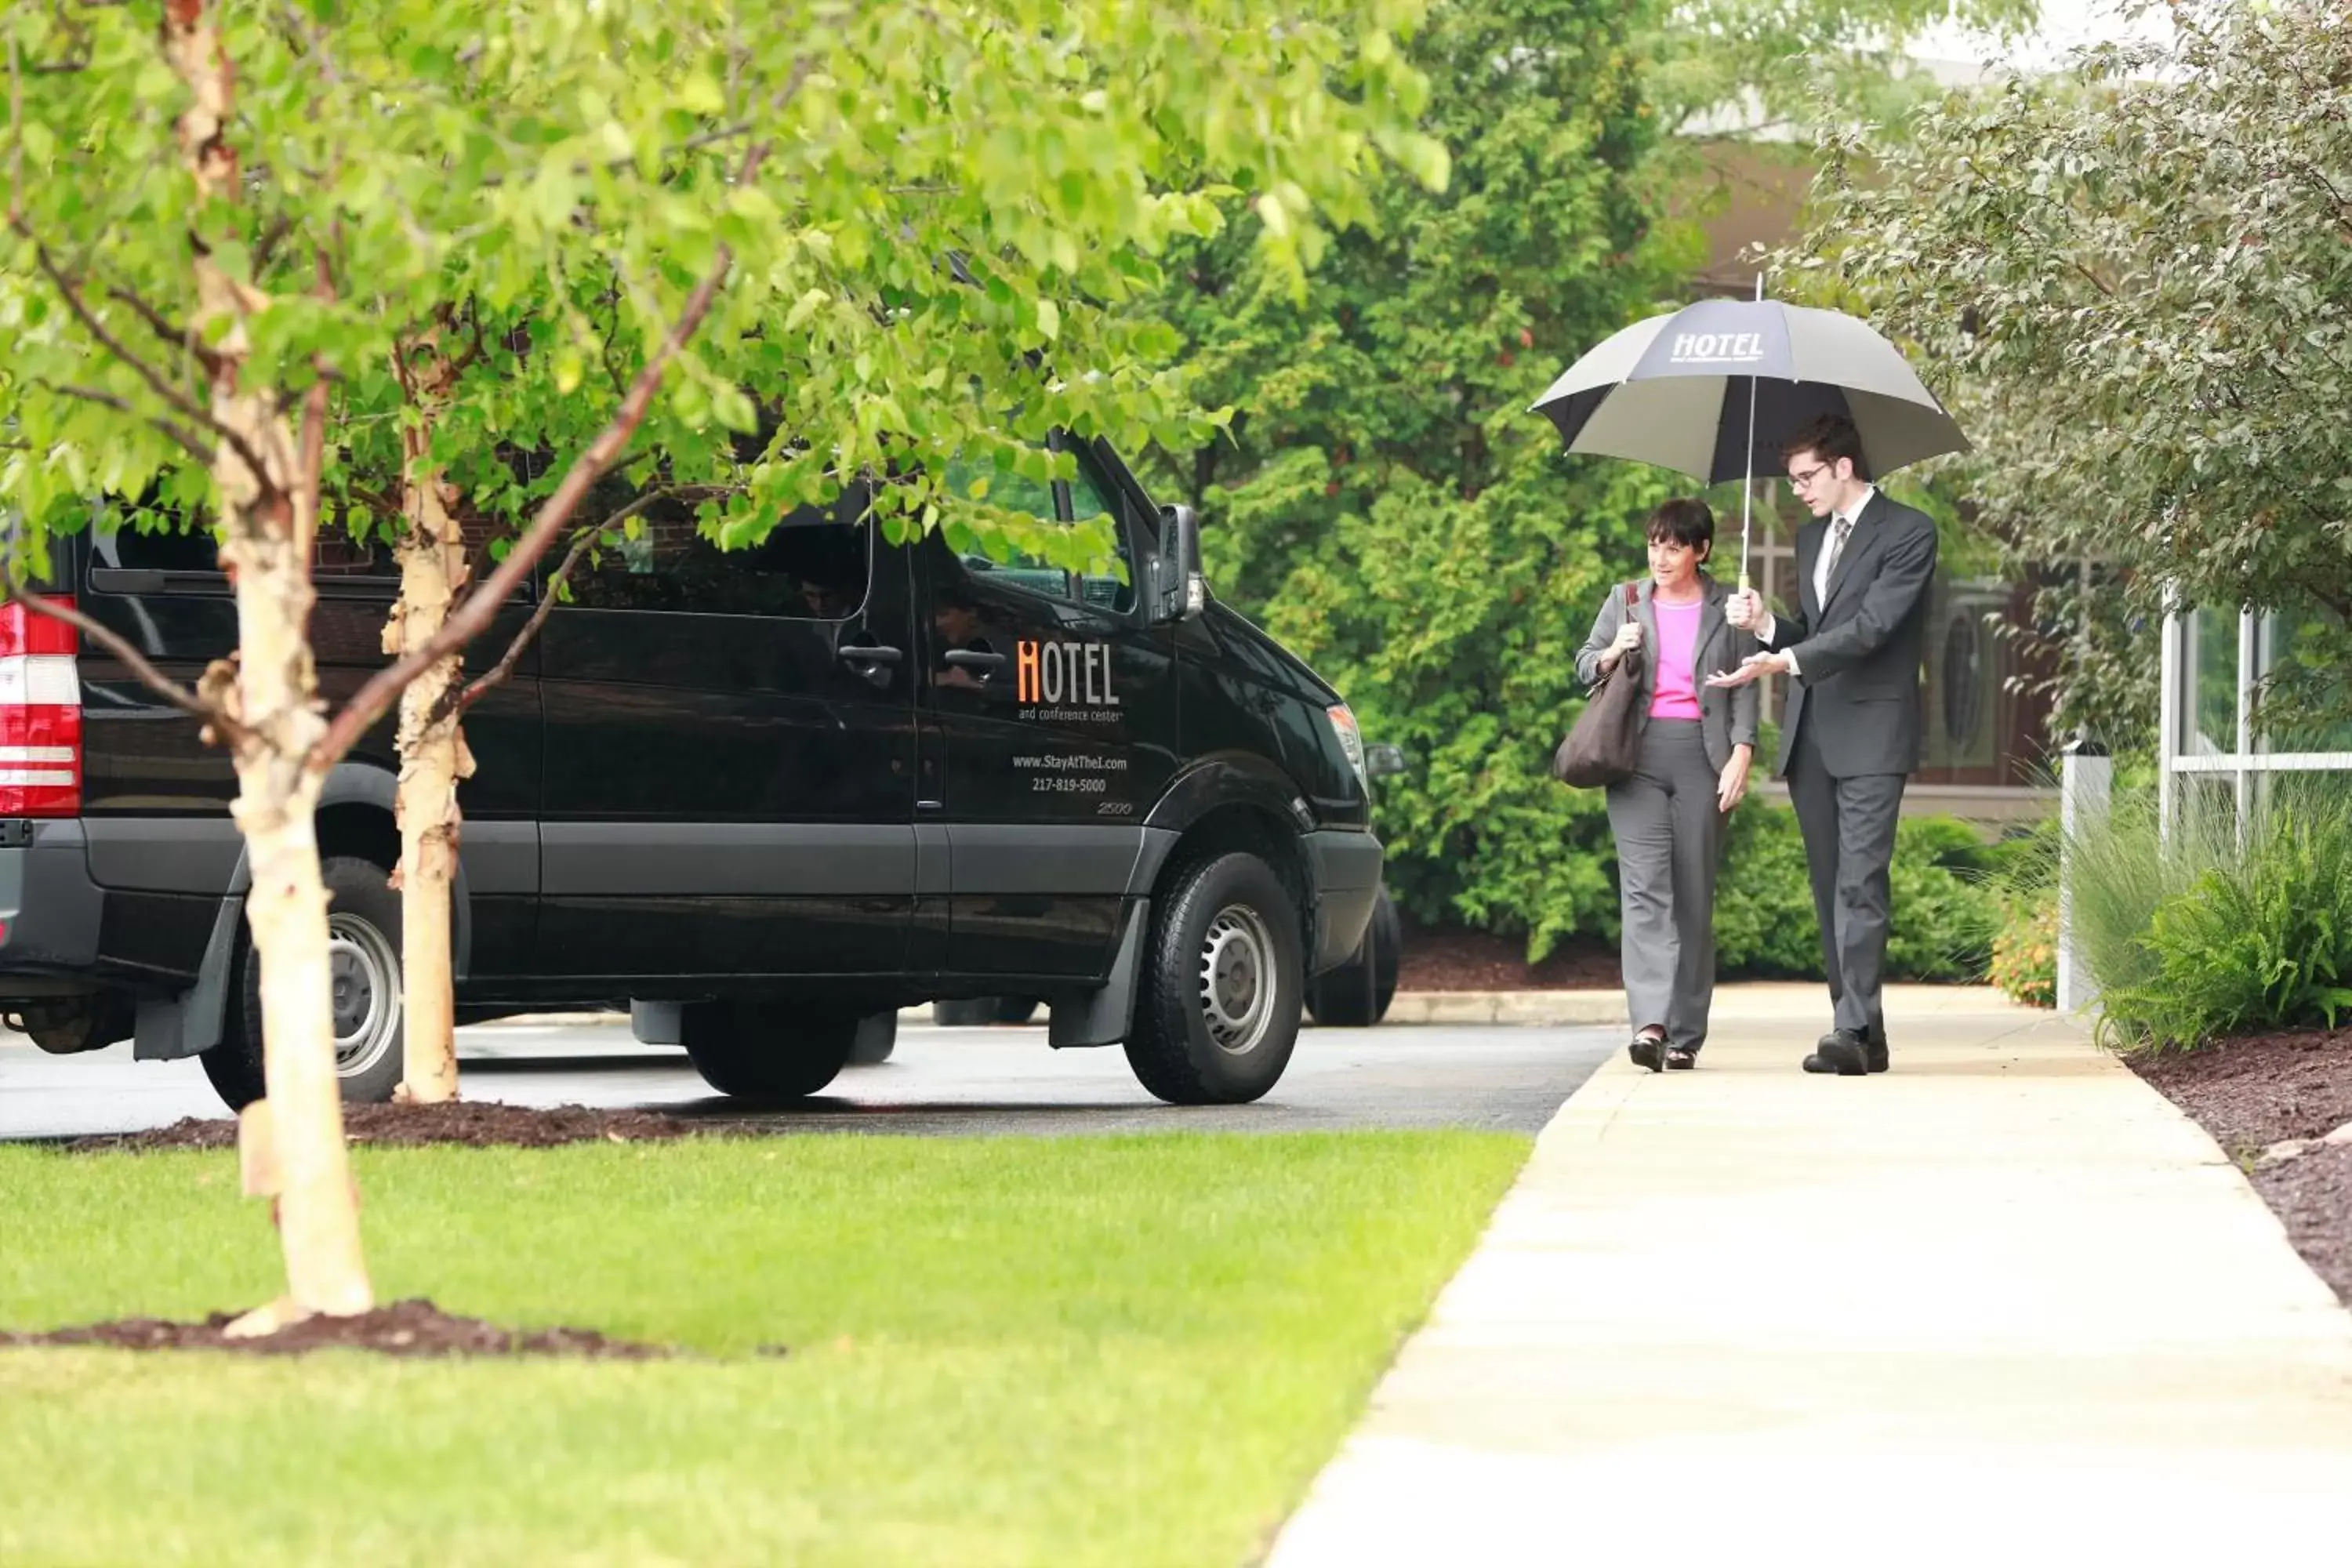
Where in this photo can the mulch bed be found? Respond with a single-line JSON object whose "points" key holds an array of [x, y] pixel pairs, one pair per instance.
{"points": [[1449, 958], [475, 1123], [2262, 1089], [415, 1328]]}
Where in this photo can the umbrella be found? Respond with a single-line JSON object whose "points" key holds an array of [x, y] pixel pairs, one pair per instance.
{"points": [[1705, 389]]}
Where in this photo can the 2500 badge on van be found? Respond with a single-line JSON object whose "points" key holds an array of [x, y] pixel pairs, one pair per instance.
{"points": [[762, 798]]}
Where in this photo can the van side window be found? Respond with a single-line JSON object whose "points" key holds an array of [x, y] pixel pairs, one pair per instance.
{"points": [[117, 542], [813, 565], [1112, 587], [1108, 587]]}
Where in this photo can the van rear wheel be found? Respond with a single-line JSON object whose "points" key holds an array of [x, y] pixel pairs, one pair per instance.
{"points": [[1222, 986], [766, 1050], [876, 1038], [363, 966]]}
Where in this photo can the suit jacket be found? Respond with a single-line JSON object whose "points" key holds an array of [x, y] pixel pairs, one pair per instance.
{"points": [[1726, 719], [1859, 650]]}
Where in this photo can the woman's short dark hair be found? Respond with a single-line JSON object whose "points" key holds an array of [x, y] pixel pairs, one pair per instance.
{"points": [[1682, 522]]}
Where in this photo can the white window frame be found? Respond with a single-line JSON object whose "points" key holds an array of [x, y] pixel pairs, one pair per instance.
{"points": [[2177, 701]]}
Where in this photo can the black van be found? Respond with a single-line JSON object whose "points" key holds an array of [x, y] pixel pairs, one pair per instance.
{"points": [[758, 798]]}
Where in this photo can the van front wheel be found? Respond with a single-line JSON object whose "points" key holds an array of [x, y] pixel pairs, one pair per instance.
{"points": [[766, 1050], [1221, 984]]}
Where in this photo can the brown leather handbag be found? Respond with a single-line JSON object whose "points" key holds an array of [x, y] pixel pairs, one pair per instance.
{"points": [[1604, 744]]}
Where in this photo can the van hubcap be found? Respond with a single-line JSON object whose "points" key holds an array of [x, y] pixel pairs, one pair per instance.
{"points": [[366, 976], [1237, 980]]}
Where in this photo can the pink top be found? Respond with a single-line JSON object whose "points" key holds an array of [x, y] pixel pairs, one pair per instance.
{"points": [[1676, 693]]}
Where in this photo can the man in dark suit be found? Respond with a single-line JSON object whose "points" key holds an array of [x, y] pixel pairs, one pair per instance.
{"points": [[1851, 734]]}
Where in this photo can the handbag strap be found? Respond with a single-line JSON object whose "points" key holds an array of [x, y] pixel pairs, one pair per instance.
{"points": [[1632, 595]]}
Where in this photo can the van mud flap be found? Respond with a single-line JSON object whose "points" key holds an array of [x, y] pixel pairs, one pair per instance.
{"points": [[1103, 1017]]}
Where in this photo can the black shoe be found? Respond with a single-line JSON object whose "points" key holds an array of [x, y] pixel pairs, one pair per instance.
{"points": [[1843, 1052], [1682, 1058], [1877, 1052], [1648, 1051]]}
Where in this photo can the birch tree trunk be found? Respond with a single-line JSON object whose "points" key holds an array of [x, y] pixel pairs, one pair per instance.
{"points": [[432, 759], [268, 521]]}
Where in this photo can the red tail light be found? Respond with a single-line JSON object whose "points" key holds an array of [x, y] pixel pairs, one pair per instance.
{"points": [[40, 715]]}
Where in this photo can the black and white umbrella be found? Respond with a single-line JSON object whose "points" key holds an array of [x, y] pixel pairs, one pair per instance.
{"points": [[1713, 390]]}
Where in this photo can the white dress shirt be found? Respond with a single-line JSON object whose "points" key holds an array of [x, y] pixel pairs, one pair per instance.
{"points": [[1823, 565]]}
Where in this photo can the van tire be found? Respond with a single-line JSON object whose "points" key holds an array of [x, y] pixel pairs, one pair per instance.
{"points": [[364, 913], [976, 1012], [767, 1050], [1223, 982], [877, 1037], [1341, 998]]}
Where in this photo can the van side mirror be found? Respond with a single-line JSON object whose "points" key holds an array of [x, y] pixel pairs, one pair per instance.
{"points": [[1178, 591], [1384, 759]]}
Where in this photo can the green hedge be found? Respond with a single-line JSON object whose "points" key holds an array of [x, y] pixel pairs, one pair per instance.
{"points": [[1947, 909]]}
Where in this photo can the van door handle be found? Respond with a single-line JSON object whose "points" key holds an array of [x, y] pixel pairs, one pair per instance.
{"points": [[974, 658], [872, 661]]}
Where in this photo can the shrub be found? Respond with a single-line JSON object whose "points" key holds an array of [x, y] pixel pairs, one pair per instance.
{"points": [[2221, 932], [1946, 910], [2025, 954]]}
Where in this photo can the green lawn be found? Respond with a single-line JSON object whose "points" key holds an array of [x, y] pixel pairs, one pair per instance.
{"points": [[1083, 1349]]}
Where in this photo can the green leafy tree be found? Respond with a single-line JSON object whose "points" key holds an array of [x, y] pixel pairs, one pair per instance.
{"points": [[1383, 501], [1774, 63], [2131, 274], [252, 239]]}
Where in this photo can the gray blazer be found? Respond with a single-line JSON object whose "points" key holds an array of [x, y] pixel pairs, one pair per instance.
{"points": [[1859, 654], [1726, 719]]}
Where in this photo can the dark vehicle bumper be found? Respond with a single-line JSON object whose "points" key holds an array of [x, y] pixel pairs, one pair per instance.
{"points": [[1345, 867], [51, 912]]}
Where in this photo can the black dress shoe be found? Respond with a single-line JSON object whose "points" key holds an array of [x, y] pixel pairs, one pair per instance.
{"points": [[1648, 1051], [1874, 1052], [1843, 1052]]}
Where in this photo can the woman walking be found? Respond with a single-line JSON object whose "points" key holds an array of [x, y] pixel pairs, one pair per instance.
{"points": [[1668, 817]]}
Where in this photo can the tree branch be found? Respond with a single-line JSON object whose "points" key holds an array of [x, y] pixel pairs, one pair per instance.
{"points": [[310, 463], [468, 621], [272, 239], [178, 337], [457, 700], [187, 438], [131, 659], [2101, 284], [145, 372], [475, 351], [717, 135], [16, 131], [378, 501]]}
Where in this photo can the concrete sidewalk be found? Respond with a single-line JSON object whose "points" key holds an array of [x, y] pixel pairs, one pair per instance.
{"points": [[2003, 1304], [1745, 999]]}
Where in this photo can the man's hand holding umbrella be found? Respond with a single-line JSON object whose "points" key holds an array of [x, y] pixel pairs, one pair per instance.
{"points": [[1745, 609]]}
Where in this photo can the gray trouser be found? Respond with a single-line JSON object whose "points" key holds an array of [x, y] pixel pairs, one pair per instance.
{"points": [[1669, 841], [1848, 828]]}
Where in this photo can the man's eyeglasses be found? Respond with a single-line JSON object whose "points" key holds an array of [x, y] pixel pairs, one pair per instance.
{"points": [[1803, 477]]}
